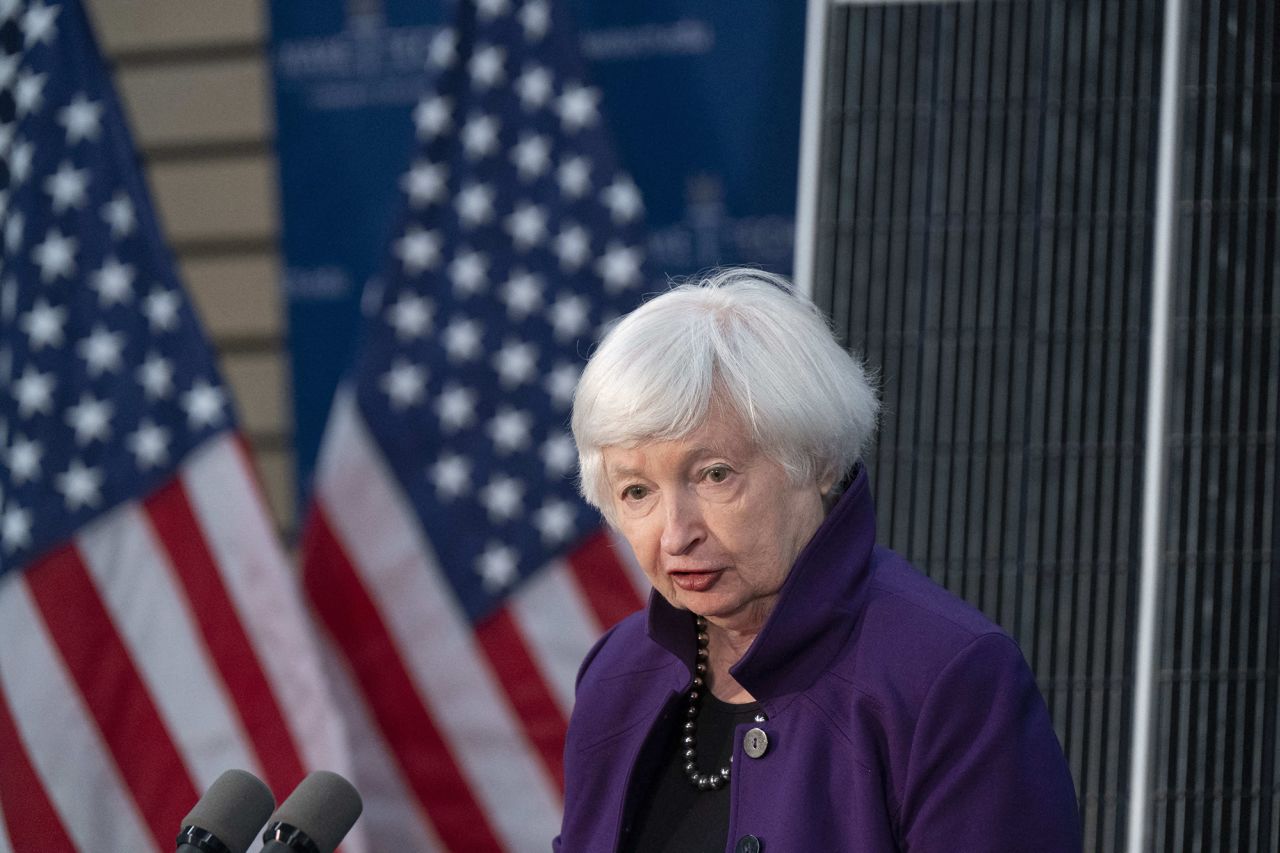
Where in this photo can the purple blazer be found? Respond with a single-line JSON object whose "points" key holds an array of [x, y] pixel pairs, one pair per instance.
{"points": [[897, 716]]}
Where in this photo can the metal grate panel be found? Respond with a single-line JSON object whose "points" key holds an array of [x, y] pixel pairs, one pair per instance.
{"points": [[984, 238], [984, 232]]}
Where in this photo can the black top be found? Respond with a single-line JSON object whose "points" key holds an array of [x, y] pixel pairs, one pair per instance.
{"points": [[673, 816]]}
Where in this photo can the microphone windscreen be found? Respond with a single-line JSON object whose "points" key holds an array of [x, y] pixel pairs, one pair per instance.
{"points": [[324, 806], [234, 808]]}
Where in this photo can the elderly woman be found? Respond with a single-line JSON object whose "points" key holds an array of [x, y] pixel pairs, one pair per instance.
{"points": [[791, 686]]}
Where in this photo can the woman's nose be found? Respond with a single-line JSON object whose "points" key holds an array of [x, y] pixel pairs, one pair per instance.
{"points": [[682, 525]]}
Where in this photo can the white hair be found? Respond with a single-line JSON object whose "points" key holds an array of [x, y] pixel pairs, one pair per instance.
{"points": [[739, 337]]}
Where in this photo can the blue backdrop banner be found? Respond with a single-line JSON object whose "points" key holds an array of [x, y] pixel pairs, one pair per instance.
{"points": [[702, 99]]}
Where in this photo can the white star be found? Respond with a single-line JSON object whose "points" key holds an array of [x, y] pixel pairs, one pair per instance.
{"points": [[515, 363], [462, 340], [522, 294], [452, 476], [37, 24], [56, 256], [150, 444], [574, 177], [8, 64], [509, 430], [118, 213], [203, 404], [469, 273], [13, 232], [20, 162], [15, 528], [410, 316], [535, 17], [497, 567], [619, 267], [456, 407], [474, 205], [577, 107], [404, 383], [443, 50], [432, 117], [568, 316], [28, 92], [534, 87], [527, 226], [66, 187], [425, 183], [91, 419], [33, 391], [156, 376], [561, 382], [622, 197], [559, 455], [531, 156], [24, 459], [554, 521], [486, 66], [572, 246], [161, 308], [501, 496], [114, 282], [488, 10], [43, 324], [418, 250], [101, 350], [80, 485], [82, 119], [480, 136]]}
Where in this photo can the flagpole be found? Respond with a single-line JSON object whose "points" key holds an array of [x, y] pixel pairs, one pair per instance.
{"points": [[1157, 405], [815, 41]]}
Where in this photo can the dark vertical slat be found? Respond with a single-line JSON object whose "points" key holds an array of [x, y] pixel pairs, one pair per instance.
{"points": [[829, 240], [1268, 708], [1253, 479], [1009, 91], [982, 451], [1183, 479], [945, 455], [1237, 373], [848, 38]]}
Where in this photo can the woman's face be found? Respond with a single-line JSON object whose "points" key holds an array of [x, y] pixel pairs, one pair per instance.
{"points": [[715, 523]]}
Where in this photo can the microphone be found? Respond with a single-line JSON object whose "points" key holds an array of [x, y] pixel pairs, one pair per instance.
{"points": [[315, 816], [228, 816]]}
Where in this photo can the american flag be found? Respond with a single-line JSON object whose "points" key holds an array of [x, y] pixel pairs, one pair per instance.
{"points": [[151, 634], [459, 575]]}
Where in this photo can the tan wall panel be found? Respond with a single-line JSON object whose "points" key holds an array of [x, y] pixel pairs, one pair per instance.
{"points": [[130, 25], [258, 384], [201, 103], [222, 199], [237, 296], [275, 470]]}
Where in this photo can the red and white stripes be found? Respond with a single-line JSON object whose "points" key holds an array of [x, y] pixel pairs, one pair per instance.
{"points": [[162, 645], [469, 723]]}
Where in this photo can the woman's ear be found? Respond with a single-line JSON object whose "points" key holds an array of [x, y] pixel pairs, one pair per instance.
{"points": [[827, 488]]}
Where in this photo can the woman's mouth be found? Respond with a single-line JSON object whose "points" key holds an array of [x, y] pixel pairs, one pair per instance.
{"points": [[695, 581]]}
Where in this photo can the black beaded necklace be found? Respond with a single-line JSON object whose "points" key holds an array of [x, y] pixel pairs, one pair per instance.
{"points": [[701, 781]]}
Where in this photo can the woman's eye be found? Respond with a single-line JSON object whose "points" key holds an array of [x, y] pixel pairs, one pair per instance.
{"points": [[634, 493], [718, 474]]}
